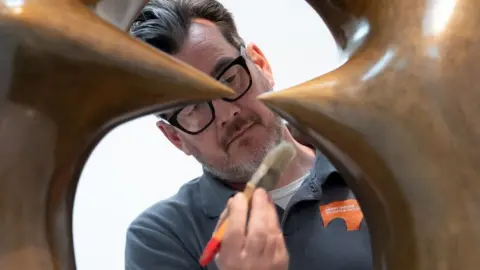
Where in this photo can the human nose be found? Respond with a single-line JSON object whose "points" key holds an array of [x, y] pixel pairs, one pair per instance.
{"points": [[225, 111]]}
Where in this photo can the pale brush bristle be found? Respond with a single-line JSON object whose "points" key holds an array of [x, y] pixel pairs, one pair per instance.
{"points": [[280, 156], [273, 165]]}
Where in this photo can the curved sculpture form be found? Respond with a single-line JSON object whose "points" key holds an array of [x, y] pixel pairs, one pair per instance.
{"points": [[400, 120], [67, 76]]}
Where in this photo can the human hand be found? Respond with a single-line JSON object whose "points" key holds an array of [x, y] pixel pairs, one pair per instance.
{"points": [[256, 245]]}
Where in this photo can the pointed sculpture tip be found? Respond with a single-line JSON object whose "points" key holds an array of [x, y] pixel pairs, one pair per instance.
{"points": [[197, 88], [270, 98], [304, 94], [279, 99], [295, 92], [271, 94], [214, 90], [226, 91]]}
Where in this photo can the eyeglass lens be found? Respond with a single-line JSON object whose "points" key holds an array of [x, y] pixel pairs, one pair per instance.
{"points": [[196, 116]]}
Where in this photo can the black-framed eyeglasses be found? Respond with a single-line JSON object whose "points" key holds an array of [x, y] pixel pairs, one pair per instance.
{"points": [[195, 118]]}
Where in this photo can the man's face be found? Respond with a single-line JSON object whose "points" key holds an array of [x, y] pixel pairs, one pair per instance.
{"points": [[234, 145]]}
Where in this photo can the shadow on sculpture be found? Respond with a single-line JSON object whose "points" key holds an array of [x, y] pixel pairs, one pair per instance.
{"points": [[399, 119]]}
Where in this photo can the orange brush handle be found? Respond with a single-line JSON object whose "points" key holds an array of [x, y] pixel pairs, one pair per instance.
{"points": [[213, 245], [248, 193], [221, 230]]}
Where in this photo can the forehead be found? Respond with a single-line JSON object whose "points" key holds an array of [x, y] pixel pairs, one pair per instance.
{"points": [[205, 46]]}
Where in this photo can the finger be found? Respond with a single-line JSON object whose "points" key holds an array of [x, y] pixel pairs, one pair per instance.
{"points": [[234, 237], [273, 223], [277, 248], [273, 230], [281, 258], [257, 230]]}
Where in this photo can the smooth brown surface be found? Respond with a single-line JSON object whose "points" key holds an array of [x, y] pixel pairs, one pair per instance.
{"points": [[66, 78], [401, 120]]}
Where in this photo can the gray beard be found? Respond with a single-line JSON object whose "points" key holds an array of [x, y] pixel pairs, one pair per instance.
{"points": [[242, 173]]}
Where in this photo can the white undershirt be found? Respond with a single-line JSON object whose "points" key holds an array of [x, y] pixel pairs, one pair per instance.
{"points": [[281, 196]]}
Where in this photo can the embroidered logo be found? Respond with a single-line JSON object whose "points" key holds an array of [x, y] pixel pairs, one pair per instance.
{"points": [[348, 210]]}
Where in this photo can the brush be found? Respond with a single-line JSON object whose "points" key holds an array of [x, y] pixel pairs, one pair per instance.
{"points": [[266, 177]]}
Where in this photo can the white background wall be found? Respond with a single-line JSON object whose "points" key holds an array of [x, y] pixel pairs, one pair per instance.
{"points": [[134, 166]]}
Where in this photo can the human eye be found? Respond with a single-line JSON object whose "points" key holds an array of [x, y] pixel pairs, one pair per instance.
{"points": [[231, 78]]}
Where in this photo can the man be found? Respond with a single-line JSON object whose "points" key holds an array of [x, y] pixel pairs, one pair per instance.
{"points": [[310, 221]]}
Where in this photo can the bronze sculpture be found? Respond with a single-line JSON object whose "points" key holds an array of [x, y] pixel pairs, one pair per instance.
{"points": [[68, 77], [398, 119]]}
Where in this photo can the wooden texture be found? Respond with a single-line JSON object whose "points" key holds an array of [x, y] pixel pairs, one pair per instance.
{"points": [[67, 76], [400, 119]]}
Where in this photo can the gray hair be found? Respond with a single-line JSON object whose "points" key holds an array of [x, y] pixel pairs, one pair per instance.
{"points": [[164, 23]]}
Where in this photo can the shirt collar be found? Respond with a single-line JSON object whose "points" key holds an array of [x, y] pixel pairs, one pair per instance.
{"points": [[214, 194], [322, 169]]}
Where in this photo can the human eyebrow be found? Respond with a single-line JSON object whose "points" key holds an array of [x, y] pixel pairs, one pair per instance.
{"points": [[221, 64]]}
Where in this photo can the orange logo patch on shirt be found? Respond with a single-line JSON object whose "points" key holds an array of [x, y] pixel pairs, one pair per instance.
{"points": [[348, 210]]}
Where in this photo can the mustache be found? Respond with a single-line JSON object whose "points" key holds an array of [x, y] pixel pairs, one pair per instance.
{"points": [[235, 126]]}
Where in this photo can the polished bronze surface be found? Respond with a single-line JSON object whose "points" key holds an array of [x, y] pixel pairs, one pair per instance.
{"points": [[67, 76], [400, 119]]}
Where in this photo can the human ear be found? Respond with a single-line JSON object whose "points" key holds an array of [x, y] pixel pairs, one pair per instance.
{"points": [[172, 135], [259, 59]]}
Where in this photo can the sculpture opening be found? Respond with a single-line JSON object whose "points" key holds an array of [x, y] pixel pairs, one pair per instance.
{"points": [[135, 166]]}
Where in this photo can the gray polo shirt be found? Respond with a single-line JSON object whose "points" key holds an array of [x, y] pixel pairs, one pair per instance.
{"points": [[322, 224]]}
